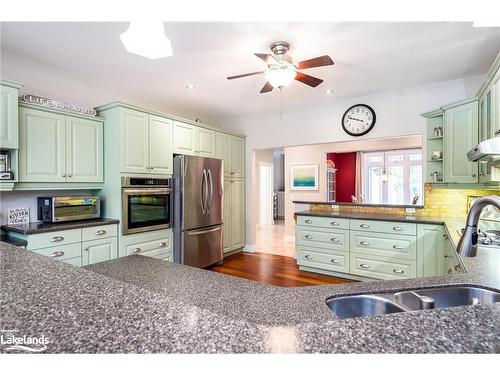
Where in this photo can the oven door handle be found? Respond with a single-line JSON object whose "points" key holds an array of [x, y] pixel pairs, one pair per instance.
{"points": [[145, 191]]}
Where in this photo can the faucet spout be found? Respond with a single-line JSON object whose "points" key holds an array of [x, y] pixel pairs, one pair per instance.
{"points": [[467, 246]]}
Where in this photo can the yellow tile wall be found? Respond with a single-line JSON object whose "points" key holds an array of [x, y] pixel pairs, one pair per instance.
{"points": [[441, 202]]}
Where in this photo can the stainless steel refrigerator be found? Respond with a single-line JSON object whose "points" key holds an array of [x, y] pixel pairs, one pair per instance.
{"points": [[198, 191]]}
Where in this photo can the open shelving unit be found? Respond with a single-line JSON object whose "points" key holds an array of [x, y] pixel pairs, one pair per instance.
{"points": [[434, 121]]}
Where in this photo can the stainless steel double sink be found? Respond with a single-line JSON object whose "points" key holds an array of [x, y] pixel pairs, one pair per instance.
{"points": [[354, 306]]}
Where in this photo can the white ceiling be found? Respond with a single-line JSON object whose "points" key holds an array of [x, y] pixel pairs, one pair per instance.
{"points": [[369, 58]]}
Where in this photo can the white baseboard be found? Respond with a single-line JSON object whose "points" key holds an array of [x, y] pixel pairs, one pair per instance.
{"points": [[249, 249]]}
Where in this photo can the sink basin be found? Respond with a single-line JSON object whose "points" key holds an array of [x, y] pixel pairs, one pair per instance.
{"points": [[449, 297], [362, 305]]}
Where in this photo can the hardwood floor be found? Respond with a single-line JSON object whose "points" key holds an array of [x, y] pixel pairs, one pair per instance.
{"points": [[273, 269]]}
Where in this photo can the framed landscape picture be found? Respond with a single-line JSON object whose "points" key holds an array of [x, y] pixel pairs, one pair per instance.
{"points": [[304, 177]]}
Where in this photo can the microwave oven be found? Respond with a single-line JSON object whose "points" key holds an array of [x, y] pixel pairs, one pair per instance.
{"points": [[59, 209]]}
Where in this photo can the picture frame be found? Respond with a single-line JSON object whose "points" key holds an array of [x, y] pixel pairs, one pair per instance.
{"points": [[304, 177], [4, 161], [18, 216]]}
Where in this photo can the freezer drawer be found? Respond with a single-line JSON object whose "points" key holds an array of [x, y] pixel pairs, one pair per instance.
{"points": [[202, 247]]}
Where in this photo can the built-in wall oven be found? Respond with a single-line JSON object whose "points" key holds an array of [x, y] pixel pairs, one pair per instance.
{"points": [[146, 204]]}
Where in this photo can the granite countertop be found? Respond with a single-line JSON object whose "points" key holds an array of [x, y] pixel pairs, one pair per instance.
{"points": [[41, 227], [369, 216], [140, 304]]}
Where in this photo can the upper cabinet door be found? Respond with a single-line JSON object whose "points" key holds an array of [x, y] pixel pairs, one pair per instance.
{"points": [[495, 105], [223, 150], [42, 146], [8, 117], [184, 138], [84, 150], [160, 145], [134, 142], [205, 140], [237, 167], [460, 136]]}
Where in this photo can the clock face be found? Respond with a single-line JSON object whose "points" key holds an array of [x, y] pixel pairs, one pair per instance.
{"points": [[358, 120]]}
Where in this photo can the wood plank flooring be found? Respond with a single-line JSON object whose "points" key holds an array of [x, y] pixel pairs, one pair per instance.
{"points": [[273, 269]]}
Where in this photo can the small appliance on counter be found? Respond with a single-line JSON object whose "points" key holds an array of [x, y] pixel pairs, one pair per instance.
{"points": [[60, 209]]}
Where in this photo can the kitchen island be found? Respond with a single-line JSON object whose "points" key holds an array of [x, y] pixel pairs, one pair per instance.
{"points": [[144, 305]]}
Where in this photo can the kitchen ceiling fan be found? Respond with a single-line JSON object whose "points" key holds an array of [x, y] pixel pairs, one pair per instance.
{"points": [[282, 70]]}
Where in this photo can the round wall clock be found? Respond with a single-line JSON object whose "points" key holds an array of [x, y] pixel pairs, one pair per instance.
{"points": [[358, 120]]}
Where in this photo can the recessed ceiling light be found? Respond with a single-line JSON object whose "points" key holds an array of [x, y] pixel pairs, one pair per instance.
{"points": [[147, 39], [329, 91], [190, 87]]}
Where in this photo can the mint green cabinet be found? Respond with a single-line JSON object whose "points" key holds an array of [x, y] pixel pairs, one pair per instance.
{"points": [[42, 146], [430, 249], [495, 105], [99, 250], [223, 150], [234, 214], [9, 115], [237, 167], [134, 141], [460, 135], [193, 140], [54, 147], [160, 145], [84, 150]]}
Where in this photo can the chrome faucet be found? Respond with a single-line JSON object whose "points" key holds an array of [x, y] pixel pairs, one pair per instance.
{"points": [[467, 246]]}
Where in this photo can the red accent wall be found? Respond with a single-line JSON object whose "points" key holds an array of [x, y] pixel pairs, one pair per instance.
{"points": [[345, 163]]}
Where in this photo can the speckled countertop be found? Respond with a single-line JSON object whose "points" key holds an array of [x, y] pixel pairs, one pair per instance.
{"points": [[139, 304], [40, 227]]}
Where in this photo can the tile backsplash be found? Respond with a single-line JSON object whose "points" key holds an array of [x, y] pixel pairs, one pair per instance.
{"points": [[441, 202]]}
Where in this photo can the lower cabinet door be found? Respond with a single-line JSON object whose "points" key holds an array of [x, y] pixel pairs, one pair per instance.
{"points": [[99, 250], [77, 262]]}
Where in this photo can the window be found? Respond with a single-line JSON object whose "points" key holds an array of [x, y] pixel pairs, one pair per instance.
{"points": [[393, 177]]}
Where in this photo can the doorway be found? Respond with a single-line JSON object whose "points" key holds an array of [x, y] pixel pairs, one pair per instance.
{"points": [[266, 194]]}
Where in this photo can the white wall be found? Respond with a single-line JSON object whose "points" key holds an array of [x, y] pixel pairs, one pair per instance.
{"points": [[54, 83], [398, 114]]}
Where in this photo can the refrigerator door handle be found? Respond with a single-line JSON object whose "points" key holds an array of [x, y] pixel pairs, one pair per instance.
{"points": [[209, 202], [192, 233], [204, 191]]}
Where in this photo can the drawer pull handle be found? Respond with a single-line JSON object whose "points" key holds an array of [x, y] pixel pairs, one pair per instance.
{"points": [[308, 221], [100, 232], [398, 229], [308, 257], [364, 226], [308, 236], [56, 254], [446, 256], [136, 250], [362, 265], [335, 261], [364, 243], [335, 240], [163, 244], [335, 223], [57, 239], [397, 247], [398, 271]]}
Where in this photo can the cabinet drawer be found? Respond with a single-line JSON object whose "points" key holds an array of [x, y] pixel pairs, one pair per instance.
{"points": [[331, 239], [386, 245], [391, 227], [102, 231], [382, 269], [168, 256], [41, 240], [150, 248], [332, 261], [62, 252], [323, 222]]}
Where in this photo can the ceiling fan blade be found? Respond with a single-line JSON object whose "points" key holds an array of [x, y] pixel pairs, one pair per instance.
{"points": [[267, 88], [316, 62], [268, 58], [308, 80], [244, 75]]}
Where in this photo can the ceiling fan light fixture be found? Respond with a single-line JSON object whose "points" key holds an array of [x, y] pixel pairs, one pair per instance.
{"points": [[280, 76], [147, 39]]}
